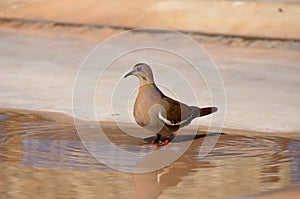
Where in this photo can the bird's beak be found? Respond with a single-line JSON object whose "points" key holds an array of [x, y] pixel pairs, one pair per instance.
{"points": [[130, 73]]}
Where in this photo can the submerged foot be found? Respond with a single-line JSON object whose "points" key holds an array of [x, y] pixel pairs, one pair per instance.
{"points": [[159, 140], [164, 142]]}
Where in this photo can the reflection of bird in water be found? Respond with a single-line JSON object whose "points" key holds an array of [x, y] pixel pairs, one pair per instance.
{"points": [[158, 113], [151, 185]]}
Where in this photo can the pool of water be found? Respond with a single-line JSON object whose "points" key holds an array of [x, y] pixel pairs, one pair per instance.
{"points": [[43, 157]]}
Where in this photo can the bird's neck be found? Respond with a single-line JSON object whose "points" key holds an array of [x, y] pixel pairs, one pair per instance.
{"points": [[146, 81], [149, 87], [147, 84]]}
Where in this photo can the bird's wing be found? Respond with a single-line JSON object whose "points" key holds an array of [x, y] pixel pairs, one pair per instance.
{"points": [[176, 113]]}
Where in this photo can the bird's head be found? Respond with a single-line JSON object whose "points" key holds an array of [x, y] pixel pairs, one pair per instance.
{"points": [[142, 71]]}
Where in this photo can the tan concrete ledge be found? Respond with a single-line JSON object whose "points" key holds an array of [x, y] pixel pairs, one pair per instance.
{"points": [[240, 18]]}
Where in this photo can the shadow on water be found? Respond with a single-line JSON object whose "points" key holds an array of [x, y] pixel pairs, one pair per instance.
{"points": [[183, 138], [43, 156]]}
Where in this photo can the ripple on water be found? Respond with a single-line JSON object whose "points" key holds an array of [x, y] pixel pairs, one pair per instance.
{"points": [[37, 142], [248, 147], [45, 143], [3, 116]]}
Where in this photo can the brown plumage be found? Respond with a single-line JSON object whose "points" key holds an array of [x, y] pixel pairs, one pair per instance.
{"points": [[158, 113]]}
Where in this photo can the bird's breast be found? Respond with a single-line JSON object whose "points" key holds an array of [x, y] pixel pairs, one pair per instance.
{"points": [[146, 109]]}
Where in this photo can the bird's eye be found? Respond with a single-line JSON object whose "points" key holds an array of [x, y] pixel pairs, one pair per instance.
{"points": [[139, 69]]}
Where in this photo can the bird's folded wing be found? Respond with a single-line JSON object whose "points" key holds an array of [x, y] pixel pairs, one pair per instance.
{"points": [[175, 113]]}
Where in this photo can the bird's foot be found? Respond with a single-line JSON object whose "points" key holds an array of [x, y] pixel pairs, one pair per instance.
{"points": [[159, 141], [162, 143], [166, 142]]}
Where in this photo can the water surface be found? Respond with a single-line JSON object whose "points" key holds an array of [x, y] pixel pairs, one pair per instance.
{"points": [[41, 156]]}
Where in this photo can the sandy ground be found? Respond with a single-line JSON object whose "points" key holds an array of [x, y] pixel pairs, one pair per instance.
{"points": [[39, 67]]}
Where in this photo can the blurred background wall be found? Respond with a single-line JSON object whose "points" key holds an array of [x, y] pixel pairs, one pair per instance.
{"points": [[248, 18]]}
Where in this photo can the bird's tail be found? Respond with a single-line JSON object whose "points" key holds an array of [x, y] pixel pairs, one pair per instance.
{"points": [[207, 111]]}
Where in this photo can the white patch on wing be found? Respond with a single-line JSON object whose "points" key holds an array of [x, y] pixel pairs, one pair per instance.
{"points": [[171, 123]]}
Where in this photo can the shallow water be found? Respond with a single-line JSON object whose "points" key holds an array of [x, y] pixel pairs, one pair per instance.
{"points": [[44, 157]]}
